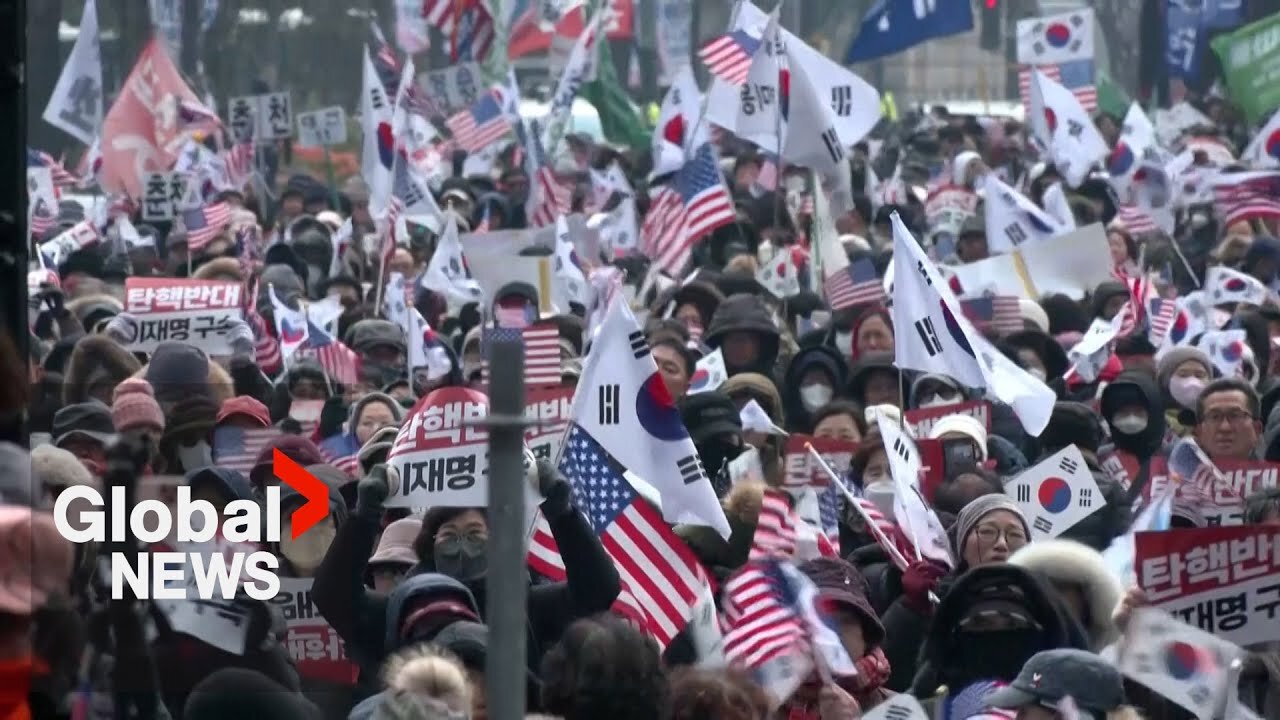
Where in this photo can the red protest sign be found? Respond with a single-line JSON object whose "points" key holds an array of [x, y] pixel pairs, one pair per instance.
{"points": [[923, 419], [313, 644], [441, 451], [802, 469], [1225, 504], [1222, 579]]}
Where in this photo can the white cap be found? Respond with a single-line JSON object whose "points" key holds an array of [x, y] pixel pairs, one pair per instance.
{"points": [[964, 425], [1030, 310]]}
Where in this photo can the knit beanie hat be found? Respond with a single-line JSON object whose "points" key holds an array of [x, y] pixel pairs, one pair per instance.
{"points": [[134, 407], [979, 508]]}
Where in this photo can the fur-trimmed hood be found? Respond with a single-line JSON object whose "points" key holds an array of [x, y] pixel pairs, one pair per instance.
{"points": [[1067, 561], [221, 387], [742, 508], [223, 268], [95, 358], [90, 308]]}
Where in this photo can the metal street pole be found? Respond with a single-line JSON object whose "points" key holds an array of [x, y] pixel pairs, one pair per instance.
{"points": [[507, 580]]}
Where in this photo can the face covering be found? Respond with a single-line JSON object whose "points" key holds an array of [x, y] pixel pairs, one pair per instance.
{"points": [[1186, 390], [1129, 424], [305, 553], [195, 456], [844, 343], [716, 454], [461, 558], [814, 396], [990, 655]]}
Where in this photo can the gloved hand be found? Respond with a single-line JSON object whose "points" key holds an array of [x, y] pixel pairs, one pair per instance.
{"points": [[918, 580], [53, 297], [240, 336], [123, 328], [556, 492], [373, 489], [332, 415]]}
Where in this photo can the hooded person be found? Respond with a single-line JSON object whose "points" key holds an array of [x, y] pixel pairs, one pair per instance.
{"points": [[1133, 409], [844, 593], [743, 329], [1108, 298], [991, 621], [930, 390], [187, 442], [1039, 354], [813, 379], [1081, 577], [453, 541], [234, 692], [745, 387], [874, 380], [304, 380], [1182, 374], [870, 332], [1077, 424], [371, 412], [693, 304], [92, 308], [178, 371], [225, 269], [381, 345], [96, 366], [85, 430]]}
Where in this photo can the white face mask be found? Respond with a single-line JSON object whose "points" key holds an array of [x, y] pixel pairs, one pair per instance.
{"points": [[1186, 390], [1129, 424], [844, 343], [815, 396], [195, 456], [306, 553], [1037, 373]]}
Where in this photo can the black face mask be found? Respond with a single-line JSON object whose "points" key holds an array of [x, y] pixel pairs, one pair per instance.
{"points": [[990, 655], [461, 558], [716, 455]]}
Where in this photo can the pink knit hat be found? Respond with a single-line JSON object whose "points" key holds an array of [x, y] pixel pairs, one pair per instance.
{"points": [[134, 407]]}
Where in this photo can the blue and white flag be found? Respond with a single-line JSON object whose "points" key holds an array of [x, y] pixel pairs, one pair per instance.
{"points": [[892, 26]]}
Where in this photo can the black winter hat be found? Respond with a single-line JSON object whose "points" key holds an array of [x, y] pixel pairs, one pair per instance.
{"points": [[242, 693], [1072, 423], [708, 414], [841, 583]]}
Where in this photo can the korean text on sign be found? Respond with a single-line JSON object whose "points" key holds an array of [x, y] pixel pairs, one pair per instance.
{"points": [[261, 117], [199, 312], [312, 643], [323, 127], [1225, 504], [1224, 580], [441, 452]]}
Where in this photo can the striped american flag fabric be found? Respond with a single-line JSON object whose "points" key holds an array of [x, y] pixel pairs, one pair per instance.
{"points": [[481, 125], [728, 57], [239, 164], [62, 177], [340, 363], [857, 283], [694, 204], [473, 31], [660, 577], [237, 448], [760, 623], [776, 529], [541, 352], [1076, 76], [554, 198], [205, 223], [388, 68], [1162, 312], [1136, 220], [349, 464], [1241, 197], [999, 313]]}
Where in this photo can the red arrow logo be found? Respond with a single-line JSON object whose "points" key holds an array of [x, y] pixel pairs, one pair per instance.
{"points": [[315, 491]]}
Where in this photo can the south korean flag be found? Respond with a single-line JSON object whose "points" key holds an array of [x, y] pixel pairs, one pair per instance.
{"points": [[1056, 494]]}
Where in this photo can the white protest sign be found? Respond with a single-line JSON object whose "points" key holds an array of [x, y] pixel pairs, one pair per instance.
{"points": [[322, 128], [81, 235], [40, 188], [165, 195], [1057, 493], [197, 312], [442, 453], [263, 117], [453, 88]]}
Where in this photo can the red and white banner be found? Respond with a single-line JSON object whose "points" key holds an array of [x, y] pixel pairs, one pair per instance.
{"points": [[1223, 580], [442, 451], [198, 312], [1225, 504], [802, 470], [923, 420], [312, 643], [948, 207]]}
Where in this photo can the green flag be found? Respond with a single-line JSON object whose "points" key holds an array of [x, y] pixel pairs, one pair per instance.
{"points": [[619, 119], [1251, 62], [1111, 97]]}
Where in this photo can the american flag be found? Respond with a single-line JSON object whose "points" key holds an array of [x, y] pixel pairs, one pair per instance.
{"points": [[857, 284], [340, 363], [1076, 76], [1162, 313], [776, 530], [729, 57], [205, 223], [1245, 196], [473, 31], [1000, 313], [349, 464], [62, 177], [387, 66], [660, 577], [237, 448], [554, 198], [41, 220], [1136, 220], [515, 312], [694, 204], [239, 163], [541, 352], [481, 125], [266, 349]]}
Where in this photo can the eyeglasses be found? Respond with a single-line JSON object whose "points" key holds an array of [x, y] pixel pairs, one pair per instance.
{"points": [[473, 536], [989, 534], [1233, 417]]}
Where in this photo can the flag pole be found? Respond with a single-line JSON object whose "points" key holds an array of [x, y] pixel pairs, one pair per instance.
{"points": [[777, 119]]}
